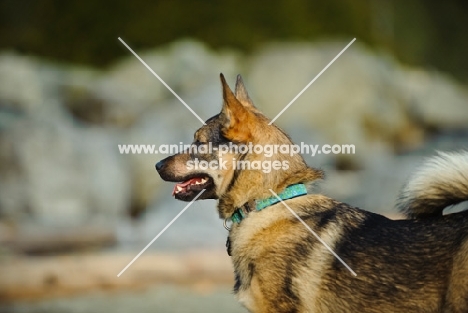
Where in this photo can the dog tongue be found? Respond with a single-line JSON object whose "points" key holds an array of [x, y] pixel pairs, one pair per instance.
{"points": [[184, 184]]}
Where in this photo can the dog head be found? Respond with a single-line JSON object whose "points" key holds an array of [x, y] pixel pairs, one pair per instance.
{"points": [[221, 160]]}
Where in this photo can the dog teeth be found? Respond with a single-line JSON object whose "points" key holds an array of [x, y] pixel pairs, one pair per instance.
{"points": [[202, 181], [179, 189]]}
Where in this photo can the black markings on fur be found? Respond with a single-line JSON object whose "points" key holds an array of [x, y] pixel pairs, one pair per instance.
{"points": [[303, 249], [213, 131], [242, 282], [214, 117], [238, 282], [404, 257], [288, 300], [228, 246], [251, 268], [288, 283], [325, 218], [233, 181], [235, 176], [321, 219]]}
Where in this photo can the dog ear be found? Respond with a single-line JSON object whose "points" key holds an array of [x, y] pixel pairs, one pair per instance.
{"points": [[236, 118], [242, 94]]}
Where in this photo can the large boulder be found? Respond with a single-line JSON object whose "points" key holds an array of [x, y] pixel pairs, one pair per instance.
{"points": [[58, 174], [128, 90], [363, 98]]}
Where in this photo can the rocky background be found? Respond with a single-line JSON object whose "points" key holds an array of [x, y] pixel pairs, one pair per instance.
{"points": [[74, 211], [61, 126]]}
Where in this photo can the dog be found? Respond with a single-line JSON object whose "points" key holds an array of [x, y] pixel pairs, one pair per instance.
{"points": [[419, 264]]}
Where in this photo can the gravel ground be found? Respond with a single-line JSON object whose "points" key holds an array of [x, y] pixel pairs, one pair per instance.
{"points": [[162, 299]]}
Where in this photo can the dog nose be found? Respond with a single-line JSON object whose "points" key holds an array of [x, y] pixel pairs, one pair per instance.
{"points": [[159, 165]]}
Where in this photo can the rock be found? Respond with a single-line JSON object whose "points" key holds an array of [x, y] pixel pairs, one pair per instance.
{"points": [[437, 100], [61, 174], [371, 101], [21, 87], [121, 96], [60, 127]]}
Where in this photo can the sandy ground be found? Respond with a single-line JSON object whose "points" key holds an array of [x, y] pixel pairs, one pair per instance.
{"points": [[198, 281], [161, 299]]}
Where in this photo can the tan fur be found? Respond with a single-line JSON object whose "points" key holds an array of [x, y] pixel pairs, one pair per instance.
{"points": [[240, 123], [418, 265], [277, 229], [245, 124]]}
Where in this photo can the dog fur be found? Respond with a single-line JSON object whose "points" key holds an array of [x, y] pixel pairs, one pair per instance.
{"points": [[415, 265]]}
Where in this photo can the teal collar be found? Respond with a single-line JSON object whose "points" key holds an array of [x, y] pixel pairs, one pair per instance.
{"points": [[290, 192]]}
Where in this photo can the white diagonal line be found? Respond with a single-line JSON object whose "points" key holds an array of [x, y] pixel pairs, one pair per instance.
{"points": [[160, 233], [313, 233], [313, 80], [162, 81]]}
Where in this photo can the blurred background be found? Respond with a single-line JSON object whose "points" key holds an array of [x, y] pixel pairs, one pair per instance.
{"points": [[74, 212]]}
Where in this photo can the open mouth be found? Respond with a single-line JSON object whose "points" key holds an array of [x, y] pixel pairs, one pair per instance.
{"points": [[191, 186]]}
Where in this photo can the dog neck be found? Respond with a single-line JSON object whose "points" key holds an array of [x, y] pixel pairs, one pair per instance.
{"points": [[240, 194], [290, 192]]}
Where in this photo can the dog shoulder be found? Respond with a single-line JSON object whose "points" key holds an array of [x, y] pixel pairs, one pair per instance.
{"points": [[268, 244]]}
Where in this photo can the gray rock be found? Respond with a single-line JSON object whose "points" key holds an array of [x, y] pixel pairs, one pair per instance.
{"points": [[61, 174], [60, 127], [128, 91], [21, 86], [438, 100], [363, 99]]}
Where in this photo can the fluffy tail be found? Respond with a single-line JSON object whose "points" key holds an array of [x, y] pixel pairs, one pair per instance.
{"points": [[440, 182]]}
